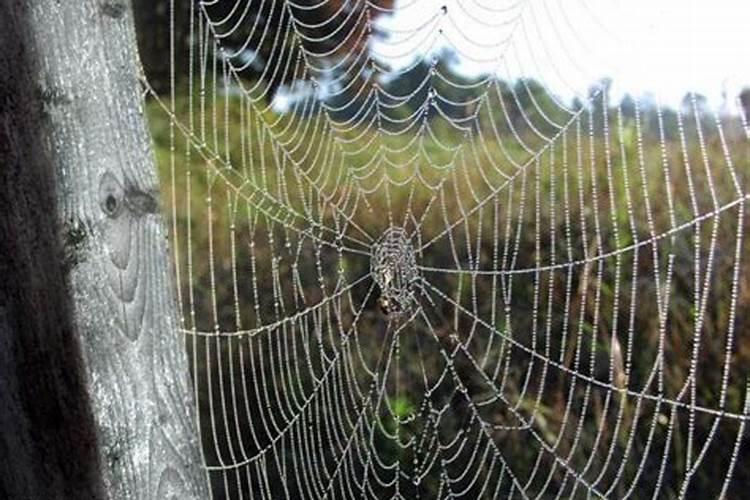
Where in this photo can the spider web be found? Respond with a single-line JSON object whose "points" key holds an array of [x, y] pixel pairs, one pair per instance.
{"points": [[402, 292]]}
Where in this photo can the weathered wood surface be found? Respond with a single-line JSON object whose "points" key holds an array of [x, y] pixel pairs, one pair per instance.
{"points": [[84, 269]]}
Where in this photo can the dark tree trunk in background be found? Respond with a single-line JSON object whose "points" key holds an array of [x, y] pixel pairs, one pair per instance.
{"points": [[152, 21], [94, 393], [236, 21], [745, 103]]}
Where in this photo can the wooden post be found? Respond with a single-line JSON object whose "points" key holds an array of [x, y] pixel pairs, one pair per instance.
{"points": [[94, 390]]}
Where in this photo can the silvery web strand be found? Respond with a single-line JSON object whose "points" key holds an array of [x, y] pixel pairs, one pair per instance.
{"points": [[440, 296]]}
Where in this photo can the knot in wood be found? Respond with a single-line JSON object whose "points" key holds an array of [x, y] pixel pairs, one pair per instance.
{"points": [[114, 197], [111, 195], [393, 266], [115, 10]]}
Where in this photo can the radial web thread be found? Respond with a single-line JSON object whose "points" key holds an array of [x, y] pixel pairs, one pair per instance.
{"points": [[463, 288]]}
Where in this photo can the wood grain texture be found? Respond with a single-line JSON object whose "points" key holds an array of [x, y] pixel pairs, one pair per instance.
{"points": [[91, 249]]}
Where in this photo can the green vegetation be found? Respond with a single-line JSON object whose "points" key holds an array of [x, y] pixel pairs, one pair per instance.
{"points": [[247, 176]]}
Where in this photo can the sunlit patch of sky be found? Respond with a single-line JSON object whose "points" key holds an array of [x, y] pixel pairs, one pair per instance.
{"points": [[660, 47]]}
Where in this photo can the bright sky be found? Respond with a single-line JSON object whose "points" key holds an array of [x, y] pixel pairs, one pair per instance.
{"points": [[663, 47]]}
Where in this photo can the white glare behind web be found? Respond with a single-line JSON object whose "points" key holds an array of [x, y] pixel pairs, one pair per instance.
{"points": [[474, 275]]}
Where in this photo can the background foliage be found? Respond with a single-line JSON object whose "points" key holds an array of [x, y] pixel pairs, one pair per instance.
{"points": [[635, 134]]}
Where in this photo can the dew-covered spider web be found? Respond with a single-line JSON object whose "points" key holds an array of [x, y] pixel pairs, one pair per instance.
{"points": [[402, 278]]}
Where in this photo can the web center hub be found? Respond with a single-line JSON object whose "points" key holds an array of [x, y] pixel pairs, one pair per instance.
{"points": [[393, 265]]}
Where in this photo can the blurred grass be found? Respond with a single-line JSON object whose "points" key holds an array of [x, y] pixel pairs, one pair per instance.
{"points": [[232, 252]]}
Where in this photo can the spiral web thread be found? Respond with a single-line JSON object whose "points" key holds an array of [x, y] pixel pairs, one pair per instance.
{"points": [[553, 253]]}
